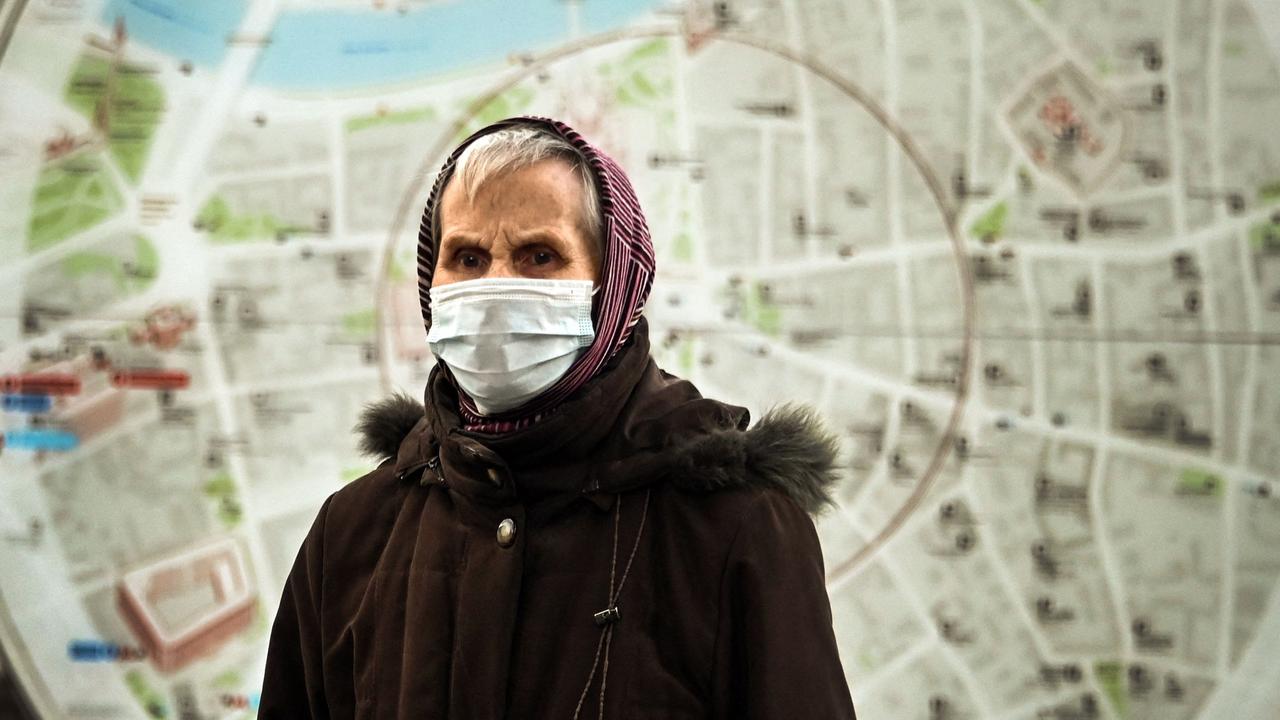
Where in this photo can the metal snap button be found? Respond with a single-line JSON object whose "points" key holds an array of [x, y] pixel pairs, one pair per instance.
{"points": [[507, 532]]}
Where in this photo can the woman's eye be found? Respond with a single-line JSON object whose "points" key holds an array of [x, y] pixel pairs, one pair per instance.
{"points": [[469, 260], [542, 257]]}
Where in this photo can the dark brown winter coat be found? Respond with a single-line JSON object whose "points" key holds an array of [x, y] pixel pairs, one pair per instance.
{"points": [[405, 600]]}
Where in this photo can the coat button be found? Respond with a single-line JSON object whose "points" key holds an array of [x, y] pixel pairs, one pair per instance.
{"points": [[506, 532]]}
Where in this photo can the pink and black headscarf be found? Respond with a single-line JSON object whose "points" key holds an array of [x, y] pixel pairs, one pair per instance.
{"points": [[627, 276]]}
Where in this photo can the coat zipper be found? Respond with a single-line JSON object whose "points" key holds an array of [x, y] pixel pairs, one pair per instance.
{"points": [[431, 462]]}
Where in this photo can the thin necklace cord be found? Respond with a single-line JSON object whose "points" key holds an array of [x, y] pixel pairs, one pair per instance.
{"points": [[606, 632]]}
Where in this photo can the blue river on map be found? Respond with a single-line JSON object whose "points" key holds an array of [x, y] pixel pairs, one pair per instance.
{"points": [[337, 49]]}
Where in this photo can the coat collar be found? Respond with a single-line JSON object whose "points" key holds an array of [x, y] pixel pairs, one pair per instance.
{"points": [[633, 424]]}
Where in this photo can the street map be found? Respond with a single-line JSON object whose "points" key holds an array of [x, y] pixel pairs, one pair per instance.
{"points": [[1023, 256]]}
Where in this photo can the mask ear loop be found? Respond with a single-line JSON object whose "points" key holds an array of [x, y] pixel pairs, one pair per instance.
{"points": [[595, 290]]}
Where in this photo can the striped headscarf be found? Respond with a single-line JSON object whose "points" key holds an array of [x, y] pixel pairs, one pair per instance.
{"points": [[627, 276]]}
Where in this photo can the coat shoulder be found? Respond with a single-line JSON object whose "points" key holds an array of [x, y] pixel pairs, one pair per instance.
{"points": [[360, 514], [365, 491], [715, 518]]}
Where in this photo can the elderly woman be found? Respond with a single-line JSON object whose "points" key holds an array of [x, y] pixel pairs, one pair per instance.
{"points": [[562, 529]]}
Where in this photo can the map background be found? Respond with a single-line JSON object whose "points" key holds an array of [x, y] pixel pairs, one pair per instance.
{"points": [[265, 195]]}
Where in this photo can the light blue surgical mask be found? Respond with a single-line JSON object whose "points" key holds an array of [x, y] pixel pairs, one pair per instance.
{"points": [[508, 339]]}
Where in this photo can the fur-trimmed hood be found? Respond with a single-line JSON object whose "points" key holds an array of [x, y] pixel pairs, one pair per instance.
{"points": [[635, 425], [787, 449]]}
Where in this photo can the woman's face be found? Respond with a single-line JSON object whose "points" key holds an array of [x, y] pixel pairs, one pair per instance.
{"points": [[524, 224]]}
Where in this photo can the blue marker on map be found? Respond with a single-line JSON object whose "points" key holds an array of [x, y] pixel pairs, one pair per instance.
{"points": [[40, 439], [26, 403], [92, 651]]}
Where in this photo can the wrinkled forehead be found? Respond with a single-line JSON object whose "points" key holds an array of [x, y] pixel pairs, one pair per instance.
{"points": [[547, 195]]}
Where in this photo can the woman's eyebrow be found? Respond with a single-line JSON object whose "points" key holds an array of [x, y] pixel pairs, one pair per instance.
{"points": [[459, 236], [541, 234]]}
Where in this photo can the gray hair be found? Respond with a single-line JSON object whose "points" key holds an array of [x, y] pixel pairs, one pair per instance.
{"points": [[513, 148]]}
